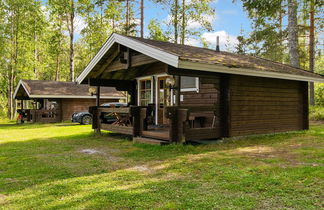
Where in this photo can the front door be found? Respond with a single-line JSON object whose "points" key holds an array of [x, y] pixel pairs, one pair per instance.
{"points": [[164, 100]]}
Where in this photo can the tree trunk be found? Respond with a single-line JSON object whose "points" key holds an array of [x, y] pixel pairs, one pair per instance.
{"points": [[14, 63], [10, 94], [127, 17], [142, 18], [176, 21], [280, 29], [311, 51], [71, 41], [293, 33], [35, 55], [57, 71], [183, 27], [35, 45], [113, 23]]}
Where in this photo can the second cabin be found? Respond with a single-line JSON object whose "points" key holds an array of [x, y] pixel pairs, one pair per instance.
{"points": [[45, 101]]}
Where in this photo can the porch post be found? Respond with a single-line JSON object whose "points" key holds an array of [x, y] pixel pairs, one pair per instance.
{"points": [[177, 119], [225, 105], [22, 104], [178, 90], [98, 96], [96, 116]]}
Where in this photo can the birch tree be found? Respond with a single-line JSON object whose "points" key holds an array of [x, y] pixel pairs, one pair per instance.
{"points": [[67, 11]]}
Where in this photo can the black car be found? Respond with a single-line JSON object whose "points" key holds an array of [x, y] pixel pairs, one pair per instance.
{"points": [[85, 118]]}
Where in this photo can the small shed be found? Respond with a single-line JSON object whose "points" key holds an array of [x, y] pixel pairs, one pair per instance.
{"points": [[183, 93], [53, 101]]}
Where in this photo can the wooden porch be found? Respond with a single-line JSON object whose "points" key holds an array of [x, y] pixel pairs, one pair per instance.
{"points": [[133, 121], [41, 115]]}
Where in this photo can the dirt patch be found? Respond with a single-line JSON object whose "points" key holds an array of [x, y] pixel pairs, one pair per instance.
{"points": [[3, 198], [107, 153], [317, 122], [288, 157], [255, 150], [141, 168], [90, 151]]}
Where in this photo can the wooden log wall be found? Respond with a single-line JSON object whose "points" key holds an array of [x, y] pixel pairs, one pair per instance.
{"points": [[265, 105], [155, 68], [208, 96]]}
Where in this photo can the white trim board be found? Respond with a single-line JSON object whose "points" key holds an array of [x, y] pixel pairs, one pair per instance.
{"points": [[17, 88], [244, 71], [151, 78], [70, 96]]}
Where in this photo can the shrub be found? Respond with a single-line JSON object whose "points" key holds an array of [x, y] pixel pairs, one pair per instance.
{"points": [[316, 112], [319, 95]]}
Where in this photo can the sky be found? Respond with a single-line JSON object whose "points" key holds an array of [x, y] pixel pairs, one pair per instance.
{"points": [[228, 20]]}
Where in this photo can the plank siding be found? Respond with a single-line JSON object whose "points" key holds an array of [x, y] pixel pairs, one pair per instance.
{"points": [[208, 95], [264, 105], [152, 69], [69, 106]]}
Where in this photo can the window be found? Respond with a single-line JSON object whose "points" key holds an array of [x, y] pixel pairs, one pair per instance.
{"points": [[145, 92], [189, 83]]}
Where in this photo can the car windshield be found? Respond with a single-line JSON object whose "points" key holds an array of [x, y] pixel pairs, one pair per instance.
{"points": [[114, 104]]}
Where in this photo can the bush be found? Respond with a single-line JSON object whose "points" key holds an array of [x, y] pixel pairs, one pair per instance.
{"points": [[319, 94], [316, 112]]}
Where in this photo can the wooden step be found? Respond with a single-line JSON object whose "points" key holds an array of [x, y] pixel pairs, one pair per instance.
{"points": [[156, 134], [145, 140]]}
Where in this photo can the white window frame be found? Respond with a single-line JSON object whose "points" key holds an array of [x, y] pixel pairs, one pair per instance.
{"points": [[139, 79], [195, 89]]}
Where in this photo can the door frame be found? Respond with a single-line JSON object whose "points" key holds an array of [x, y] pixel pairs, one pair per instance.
{"points": [[157, 89]]}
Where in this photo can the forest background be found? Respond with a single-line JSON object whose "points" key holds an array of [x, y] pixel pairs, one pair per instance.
{"points": [[55, 39]]}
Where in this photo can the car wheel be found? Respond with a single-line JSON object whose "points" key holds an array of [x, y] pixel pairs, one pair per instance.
{"points": [[86, 120]]}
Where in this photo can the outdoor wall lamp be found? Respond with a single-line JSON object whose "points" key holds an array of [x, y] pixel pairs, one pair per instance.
{"points": [[92, 90], [170, 82]]}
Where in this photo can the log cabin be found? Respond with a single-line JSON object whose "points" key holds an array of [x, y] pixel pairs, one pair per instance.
{"points": [[52, 101], [181, 93]]}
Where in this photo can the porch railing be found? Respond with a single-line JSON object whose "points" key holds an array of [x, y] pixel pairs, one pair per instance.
{"points": [[129, 120], [182, 121], [133, 121], [45, 116]]}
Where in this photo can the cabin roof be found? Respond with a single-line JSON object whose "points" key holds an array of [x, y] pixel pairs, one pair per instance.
{"points": [[55, 89], [203, 59]]}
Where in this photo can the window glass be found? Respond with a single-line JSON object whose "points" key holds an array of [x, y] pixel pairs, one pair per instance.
{"points": [[188, 82], [145, 92]]}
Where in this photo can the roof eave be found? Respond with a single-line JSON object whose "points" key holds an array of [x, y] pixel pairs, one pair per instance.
{"points": [[245, 71], [168, 58], [73, 96], [17, 88]]}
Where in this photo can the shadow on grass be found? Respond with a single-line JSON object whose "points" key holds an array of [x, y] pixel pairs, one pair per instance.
{"points": [[68, 124], [35, 125]]}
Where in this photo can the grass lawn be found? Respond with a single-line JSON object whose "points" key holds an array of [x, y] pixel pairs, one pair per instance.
{"points": [[50, 166]]}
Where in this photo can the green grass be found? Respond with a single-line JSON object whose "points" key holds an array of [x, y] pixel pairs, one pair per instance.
{"points": [[42, 167]]}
